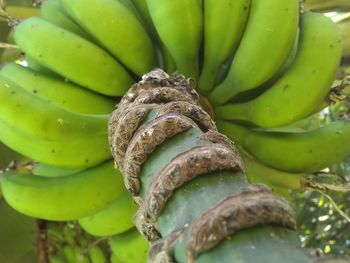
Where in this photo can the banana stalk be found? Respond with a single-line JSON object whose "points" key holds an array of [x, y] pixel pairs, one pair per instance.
{"points": [[185, 216]]}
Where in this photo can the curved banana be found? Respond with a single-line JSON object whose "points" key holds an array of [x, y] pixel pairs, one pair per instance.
{"points": [[96, 255], [63, 198], [125, 245], [58, 92], [125, 38], [167, 62], [72, 57], [224, 23], [44, 132], [303, 87], [53, 12], [295, 152], [142, 8], [114, 219], [267, 40], [179, 26]]}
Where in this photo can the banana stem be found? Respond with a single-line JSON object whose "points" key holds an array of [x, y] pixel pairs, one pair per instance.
{"points": [[195, 200]]}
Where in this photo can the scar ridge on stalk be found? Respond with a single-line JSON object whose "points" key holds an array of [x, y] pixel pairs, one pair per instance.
{"points": [[133, 138]]}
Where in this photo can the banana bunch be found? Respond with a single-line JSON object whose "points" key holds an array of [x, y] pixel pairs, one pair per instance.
{"points": [[261, 67]]}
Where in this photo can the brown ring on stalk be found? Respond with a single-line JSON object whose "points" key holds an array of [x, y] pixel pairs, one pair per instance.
{"points": [[147, 229], [129, 121], [255, 205], [163, 95], [183, 168], [146, 139], [158, 78], [160, 249], [190, 110], [217, 137]]}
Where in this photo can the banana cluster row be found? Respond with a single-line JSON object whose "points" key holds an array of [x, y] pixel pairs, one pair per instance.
{"points": [[261, 64]]}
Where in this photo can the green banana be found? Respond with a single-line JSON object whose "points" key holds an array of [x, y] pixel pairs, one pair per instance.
{"points": [[303, 87], [112, 220], [267, 40], [167, 61], [260, 173], [58, 92], [224, 23], [73, 255], [42, 169], [63, 198], [72, 56], [96, 255], [295, 152], [53, 12], [179, 25], [125, 38], [44, 132], [129, 247]]}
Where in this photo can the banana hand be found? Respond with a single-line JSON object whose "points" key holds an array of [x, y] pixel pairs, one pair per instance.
{"points": [[304, 85], [58, 92], [44, 132], [295, 152]]}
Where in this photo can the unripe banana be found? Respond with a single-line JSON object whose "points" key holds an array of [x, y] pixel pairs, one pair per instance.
{"points": [[63, 198], [58, 92], [129, 247], [224, 23], [53, 12], [72, 56], [112, 220], [44, 132], [125, 37], [96, 255], [179, 25], [266, 42], [257, 172], [295, 152], [167, 62], [42, 169], [141, 6], [303, 87]]}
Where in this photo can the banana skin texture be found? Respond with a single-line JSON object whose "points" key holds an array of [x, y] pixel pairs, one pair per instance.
{"points": [[63, 198], [112, 220]]}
